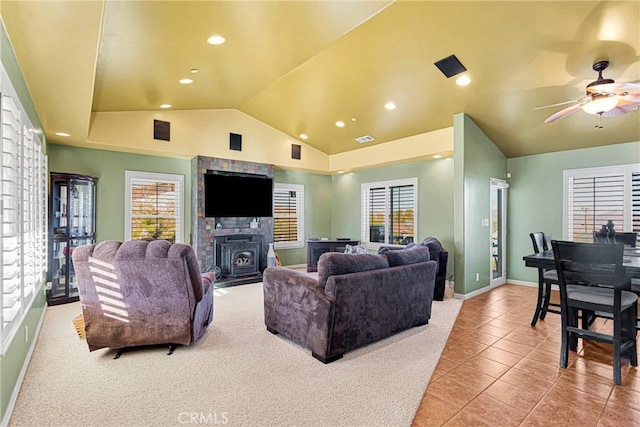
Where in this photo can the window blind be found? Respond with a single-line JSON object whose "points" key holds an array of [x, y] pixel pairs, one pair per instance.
{"points": [[635, 202], [23, 213], [377, 213], [401, 214], [592, 202], [288, 216]]}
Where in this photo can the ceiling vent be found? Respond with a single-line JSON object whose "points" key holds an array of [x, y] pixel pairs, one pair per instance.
{"points": [[450, 66], [363, 139]]}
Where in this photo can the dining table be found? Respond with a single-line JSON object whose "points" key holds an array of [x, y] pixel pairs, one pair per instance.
{"points": [[630, 261]]}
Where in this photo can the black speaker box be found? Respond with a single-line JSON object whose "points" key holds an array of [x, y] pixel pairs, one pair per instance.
{"points": [[296, 151], [161, 130], [235, 141]]}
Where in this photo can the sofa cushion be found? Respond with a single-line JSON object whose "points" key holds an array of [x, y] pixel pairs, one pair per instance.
{"points": [[408, 256], [334, 263]]}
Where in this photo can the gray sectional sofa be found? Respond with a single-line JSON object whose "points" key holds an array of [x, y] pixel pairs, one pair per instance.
{"points": [[356, 300]]}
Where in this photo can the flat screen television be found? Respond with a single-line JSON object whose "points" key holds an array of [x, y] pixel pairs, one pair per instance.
{"points": [[237, 195]]}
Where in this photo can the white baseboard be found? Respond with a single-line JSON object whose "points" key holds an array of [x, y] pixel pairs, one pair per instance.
{"points": [[474, 293], [23, 372], [530, 284]]}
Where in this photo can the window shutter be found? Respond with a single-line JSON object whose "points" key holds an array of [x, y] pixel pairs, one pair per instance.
{"points": [[11, 255], [401, 215], [635, 202], [156, 208], [377, 209], [288, 215], [592, 202], [389, 212]]}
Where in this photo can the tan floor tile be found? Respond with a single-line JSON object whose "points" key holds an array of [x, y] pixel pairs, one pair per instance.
{"points": [[524, 399], [449, 390], [590, 384], [472, 379], [616, 415], [566, 406], [514, 347], [486, 366], [484, 410], [626, 396], [500, 356], [433, 412]]}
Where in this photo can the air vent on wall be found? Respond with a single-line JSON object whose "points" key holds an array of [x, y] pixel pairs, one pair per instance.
{"points": [[363, 139]]}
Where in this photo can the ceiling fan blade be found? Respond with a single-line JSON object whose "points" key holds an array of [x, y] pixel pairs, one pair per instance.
{"points": [[621, 108], [564, 112], [633, 97], [561, 103], [617, 88]]}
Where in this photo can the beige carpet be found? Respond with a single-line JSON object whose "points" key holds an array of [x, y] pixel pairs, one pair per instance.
{"points": [[238, 374]]}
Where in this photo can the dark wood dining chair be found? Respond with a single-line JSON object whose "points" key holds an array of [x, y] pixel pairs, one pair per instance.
{"points": [[592, 279], [546, 278]]}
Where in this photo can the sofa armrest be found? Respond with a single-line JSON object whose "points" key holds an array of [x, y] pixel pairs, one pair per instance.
{"points": [[296, 306]]}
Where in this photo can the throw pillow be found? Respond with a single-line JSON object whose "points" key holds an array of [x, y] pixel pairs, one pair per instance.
{"points": [[408, 256], [334, 263], [356, 249]]}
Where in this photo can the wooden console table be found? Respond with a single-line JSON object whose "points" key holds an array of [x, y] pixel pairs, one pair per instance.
{"points": [[315, 248]]}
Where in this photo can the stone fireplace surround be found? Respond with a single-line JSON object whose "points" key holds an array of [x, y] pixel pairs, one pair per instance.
{"points": [[205, 232]]}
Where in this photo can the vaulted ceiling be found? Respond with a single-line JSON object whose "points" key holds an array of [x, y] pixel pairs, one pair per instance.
{"points": [[301, 66]]}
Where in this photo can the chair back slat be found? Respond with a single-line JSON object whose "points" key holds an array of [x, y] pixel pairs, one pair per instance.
{"points": [[539, 241]]}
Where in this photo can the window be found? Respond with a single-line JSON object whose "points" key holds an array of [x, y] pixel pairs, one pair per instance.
{"points": [[288, 215], [153, 206], [389, 212], [595, 196], [23, 213]]}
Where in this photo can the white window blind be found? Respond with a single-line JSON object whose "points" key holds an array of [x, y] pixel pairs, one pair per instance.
{"points": [[23, 212], [154, 207], [389, 212], [595, 196], [635, 210], [288, 215]]}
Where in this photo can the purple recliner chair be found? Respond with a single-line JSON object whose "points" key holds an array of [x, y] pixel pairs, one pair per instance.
{"points": [[140, 293]]}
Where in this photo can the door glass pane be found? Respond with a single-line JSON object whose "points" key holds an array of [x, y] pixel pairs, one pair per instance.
{"points": [[496, 232]]}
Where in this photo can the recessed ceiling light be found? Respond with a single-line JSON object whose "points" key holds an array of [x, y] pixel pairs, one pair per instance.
{"points": [[165, 106], [304, 136], [194, 71], [390, 106], [353, 119], [185, 81], [216, 40], [437, 156], [62, 134], [463, 80], [340, 124]]}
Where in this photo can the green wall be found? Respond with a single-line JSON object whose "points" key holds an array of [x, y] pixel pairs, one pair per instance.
{"points": [[477, 160], [435, 200], [14, 358], [317, 210], [109, 167], [536, 196]]}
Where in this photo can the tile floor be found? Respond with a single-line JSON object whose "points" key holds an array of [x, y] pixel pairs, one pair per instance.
{"points": [[497, 370]]}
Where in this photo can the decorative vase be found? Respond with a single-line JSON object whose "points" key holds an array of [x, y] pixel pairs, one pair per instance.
{"points": [[271, 256]]}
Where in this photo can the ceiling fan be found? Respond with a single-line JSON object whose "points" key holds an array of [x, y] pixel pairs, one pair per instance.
{"points": [[605, 98]]}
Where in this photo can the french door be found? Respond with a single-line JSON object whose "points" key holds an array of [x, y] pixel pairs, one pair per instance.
{"points": [[498, 240]]}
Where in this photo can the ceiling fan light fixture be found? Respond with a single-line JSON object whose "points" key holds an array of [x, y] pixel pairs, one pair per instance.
{"points": [[600, 104]]}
